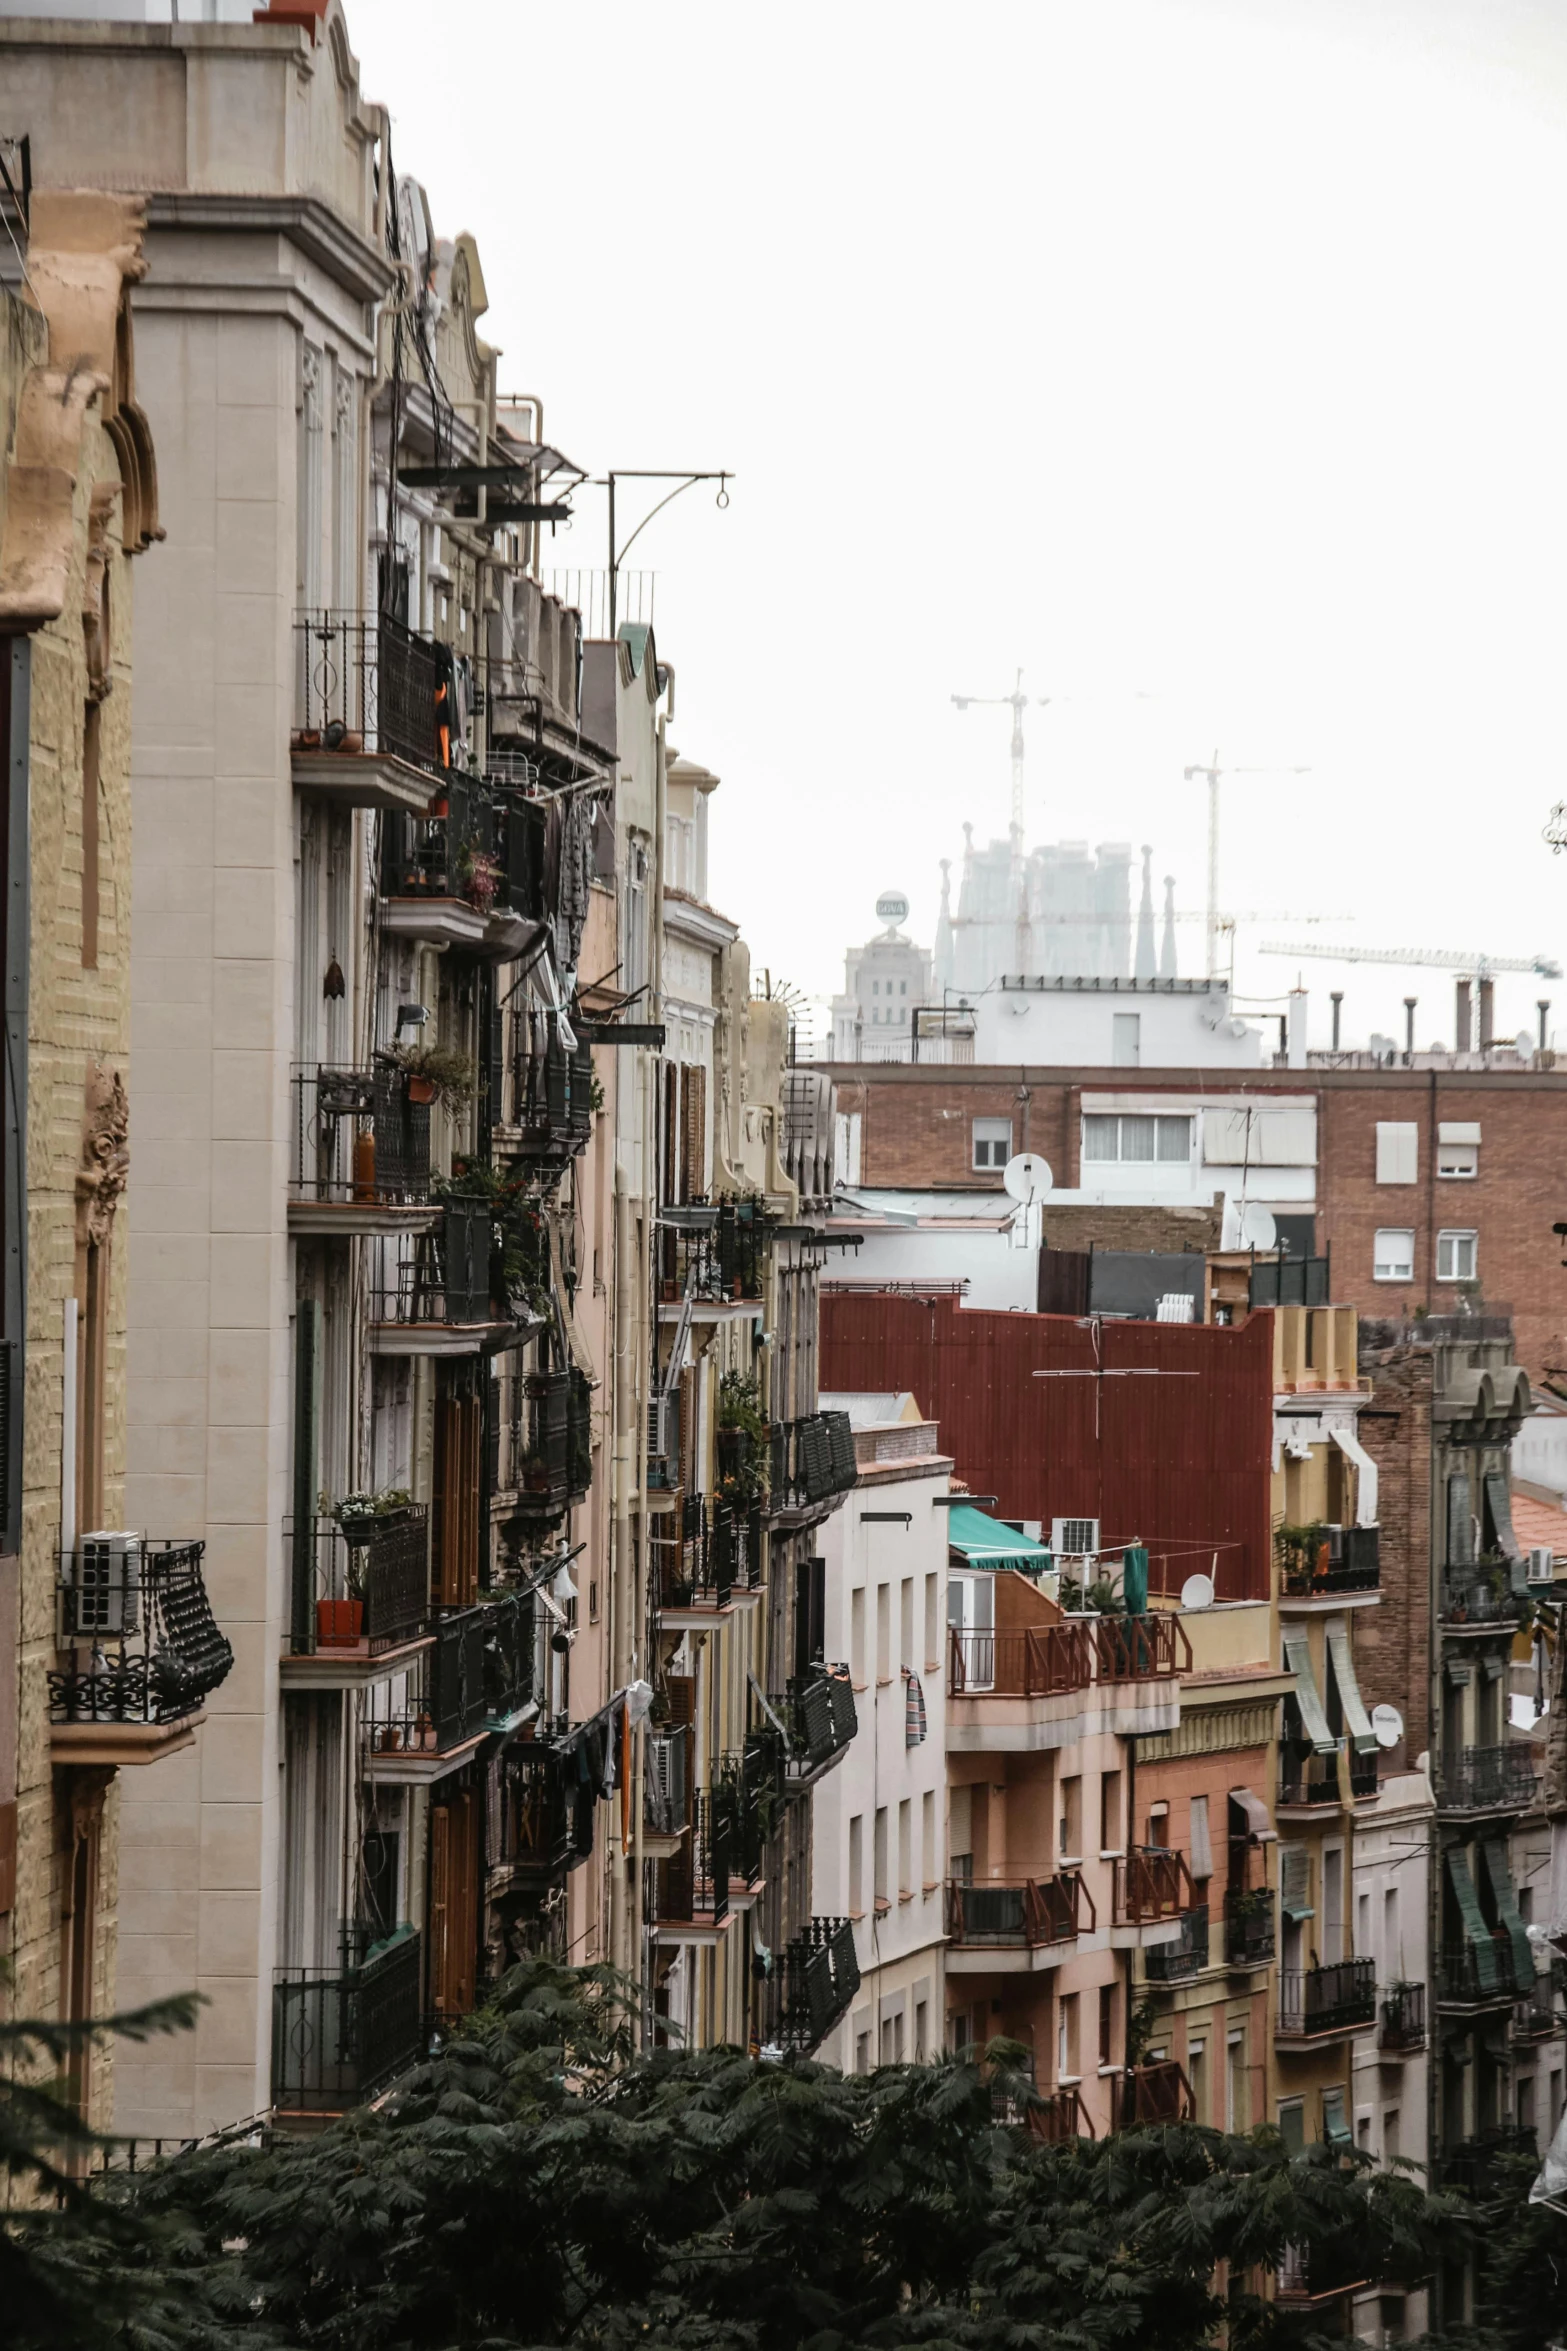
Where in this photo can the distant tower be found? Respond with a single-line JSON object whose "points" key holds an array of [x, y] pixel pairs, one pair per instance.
{"points": [[1146, 967], [1167, 951], [942, 958]]}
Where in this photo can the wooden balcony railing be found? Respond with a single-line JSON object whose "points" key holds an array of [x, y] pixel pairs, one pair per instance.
{"points": [[1141, 1648], [1152, 1883], [1012, 1913], [1156, 2093], [1040, 1661]]}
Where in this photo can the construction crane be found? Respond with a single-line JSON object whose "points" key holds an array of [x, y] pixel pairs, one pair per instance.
{"points": [[1213, 771], [1461, 960], [1017, 703]]}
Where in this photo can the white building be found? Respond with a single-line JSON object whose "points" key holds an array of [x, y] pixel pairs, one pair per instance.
{"points": [[1113, 1023], [1390, 2082], [883, 983], [879, 1822]]}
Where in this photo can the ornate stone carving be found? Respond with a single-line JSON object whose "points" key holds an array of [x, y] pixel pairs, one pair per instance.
{"points": [[95, 593], [106, 1156]]}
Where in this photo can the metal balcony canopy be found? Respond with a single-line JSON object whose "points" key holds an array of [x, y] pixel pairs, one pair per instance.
{"points": [[1297, 1660], [985, 1542]]}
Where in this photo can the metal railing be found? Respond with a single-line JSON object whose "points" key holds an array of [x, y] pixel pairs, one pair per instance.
{"points": [[1364, 1774], [365, 683], [1249, 1931], [1487, 1779], [822, 1718], [359, 1141], [1337, 1998], [1536, 2016], [1469, 2164], [536, 1830], [551, 1105], [1290, 1281], [1401, 2027], [1479, 1974], [145, 1645], [340, 2036], [1152, 1882], [703, 1551], [1158, 2092], [1173, 1963], [478, 1672], [666, 1780], [554, 1463], [1006, 1913], [718, 1249], [753, 1781], [371, 1593], [692, 1884], [1309, 1779], [1321, 1561], [1470, 1596], [818, 1978], [813, 1461], [1040, 1661], [439, 1277]]}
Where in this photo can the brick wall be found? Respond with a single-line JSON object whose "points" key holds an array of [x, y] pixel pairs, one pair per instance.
{"points": [[1392, 1641], [1133, 1227], [916, 1128]]}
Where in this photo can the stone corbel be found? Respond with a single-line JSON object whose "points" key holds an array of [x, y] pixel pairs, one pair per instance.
{"points": [[106, 1157]]}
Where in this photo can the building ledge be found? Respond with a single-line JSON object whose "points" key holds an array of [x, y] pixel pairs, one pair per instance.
{"points": [[440, 922], [705, 1933], [363, 779], [420, 1767], [1018, 1959], [444, 1338], [121, 1744], [1325, 1603], [348, 1669], [347, 1217], [715, 1310]]}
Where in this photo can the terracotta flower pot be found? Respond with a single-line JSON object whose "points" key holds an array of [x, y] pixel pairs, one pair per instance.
{"points": [[339, 1623], [421, 1089]]}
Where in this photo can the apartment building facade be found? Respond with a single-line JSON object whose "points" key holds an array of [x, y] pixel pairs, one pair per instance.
{"points": [[1423, 1187], [108, 1652]]}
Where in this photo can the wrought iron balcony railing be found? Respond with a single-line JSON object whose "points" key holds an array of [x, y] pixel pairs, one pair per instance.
{"points": [[1469, 2164], [1318, 2001], [1041, 1661], [1479, 1974], [822, 1719], [718, 1249], [1364, 1775], [1487, 1779], [447, 1276], [145, 1645], [666, 1780], [1249, 1934], [340, 2036], [692, 1884], [1320, 1561], [1473, 1595], [1158, 2092], [537, 1835], [1175, 1963], [703, 1552], [813, 1461], [550, 1102], [1009, 1913], [554, 1464], [813, 1986], [366, 1590], [1153, 1883], [479, 1673], [364, 683], [359, 1139], [1536, 2016], [1308, 1779], [1401, 2028]]}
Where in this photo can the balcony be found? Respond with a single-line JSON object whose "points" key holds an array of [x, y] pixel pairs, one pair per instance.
{"points": [[1140, 1648], [553, 1466], [1152, 1883], [361, 1159], [360, 1594], [1249, 1939], [1309, 2275], [700, 1555], [714, 1252], [813, 1463], [1308, 1782], [1041, 1661], [1478, 1599], [145, 1650], [436, 1294], [814, 1984], [1187, 1956], [548, 1111], [753, 1779], [1010, 1914], [338, 2038], [1327, 1563], [1289, 1281], [1479, 1974], [1053, 2116], [1326, 2003], [666, 1788], [1469, 2165], [1401, 2027], [822, 1720], [1536, 2016], [537, 1839], [1488, 1779], [1156, 2093], [366, 728], [475, 1678]]}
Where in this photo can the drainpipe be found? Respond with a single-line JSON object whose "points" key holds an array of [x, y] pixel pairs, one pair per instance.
{"points": [[1336, 999], [1487, 1013], [623, 1881], [1409, 1030]]}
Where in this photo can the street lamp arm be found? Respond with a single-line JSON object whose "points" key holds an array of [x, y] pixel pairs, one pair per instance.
{"points": [[689, 483]]}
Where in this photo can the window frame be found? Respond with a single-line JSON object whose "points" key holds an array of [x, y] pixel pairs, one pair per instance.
{"points": [[989, 1142], [1458, 1233], [1378, 1253], [1161, 1121], [1457, 1175]]}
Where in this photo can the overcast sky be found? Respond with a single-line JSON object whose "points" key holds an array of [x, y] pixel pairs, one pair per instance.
{"points": [[1207, 358]]}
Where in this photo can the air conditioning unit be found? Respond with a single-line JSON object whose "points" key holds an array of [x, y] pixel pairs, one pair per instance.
{"points": [[1074, 1538], [1542, 1564], [106, 1581]]}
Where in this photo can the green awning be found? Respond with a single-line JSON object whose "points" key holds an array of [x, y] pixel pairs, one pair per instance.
{"points": [[983, 1541], [1361, 1736], [1476, 1933], [1494, 1854], [1295, 1883], [1297, 1660]]}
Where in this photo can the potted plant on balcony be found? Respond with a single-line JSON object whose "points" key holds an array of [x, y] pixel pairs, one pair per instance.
{"points": [[743, 1439], [479, 879], [436, 1073]]}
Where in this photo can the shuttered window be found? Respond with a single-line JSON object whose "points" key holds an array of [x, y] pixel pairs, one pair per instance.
{"points": [[1341, 1658], [455, 1831], [1460, 1522], [1297, 1660], [1477, 1935], [1500, 1879], [455, 1554], [1295, 1882], [693, 1131], [1398, 1151]]}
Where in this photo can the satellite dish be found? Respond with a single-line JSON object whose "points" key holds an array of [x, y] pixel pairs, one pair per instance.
{"points": [[1027, 1177], [1388, 1724], [1197, 1592], [1258, 1228]]}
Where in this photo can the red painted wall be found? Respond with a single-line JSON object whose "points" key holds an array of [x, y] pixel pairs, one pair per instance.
{"points": [[1181, 1463]]}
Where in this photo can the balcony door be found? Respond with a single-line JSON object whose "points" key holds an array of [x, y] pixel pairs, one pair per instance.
{"points": [[456, 1828]]}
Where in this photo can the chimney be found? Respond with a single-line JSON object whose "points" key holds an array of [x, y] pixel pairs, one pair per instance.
{"points": [[1296, 1052], [1336, 1000], [1542, 1007], [1409, 1027], [1487, 996], [1461, 1025]]}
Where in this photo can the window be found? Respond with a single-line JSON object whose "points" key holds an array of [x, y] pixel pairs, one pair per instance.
{"points": [[857, 1637], [921, 2030], [1455, 1257], [932, 1626], [1159, 1825], [1201, 1840], [1074, 1537], [1117, 1136], [1071, 1818], [875, 987], [1107, 2024], [1398, 1151], [1066, 2039], [906, 1624], [1237, 2090], [882, 1903], [862, 2053], [1390, 2130], [1197, 2075], [1110, 1812], [884, 1632], [1335, 2125], [903, 987], [929, 1860], [1292, 2125], [906, 1850], [1526, 2101], [1458, 1150], [1363, 2133], [857, 1865], [1125, 1040], [992, 1142], [91, 758], [1393, 1255], [1392, 1951], [1556, 2102]]}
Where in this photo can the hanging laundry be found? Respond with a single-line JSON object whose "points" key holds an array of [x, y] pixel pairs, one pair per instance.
{"points": [[915, 1726]]}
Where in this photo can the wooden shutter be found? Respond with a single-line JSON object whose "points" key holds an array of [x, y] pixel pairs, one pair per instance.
{"points": [[440, 1902], [455, 1555], [693, 1133], [680, 1689], [671, 1139], [454, 1903]]}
